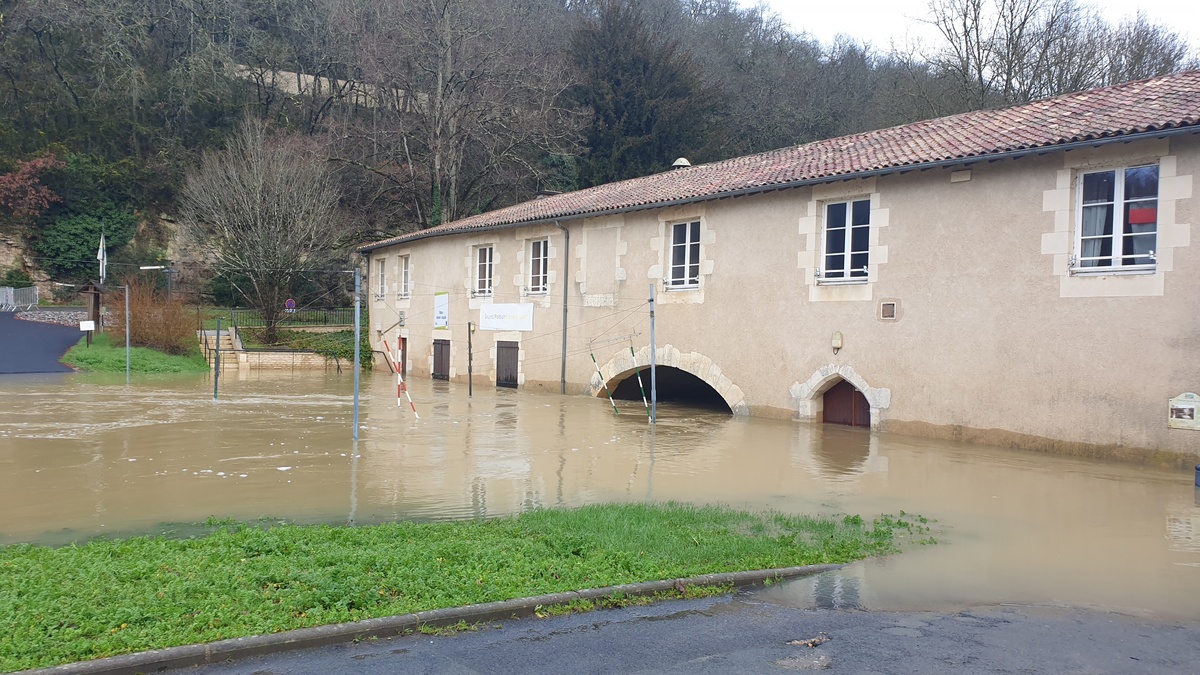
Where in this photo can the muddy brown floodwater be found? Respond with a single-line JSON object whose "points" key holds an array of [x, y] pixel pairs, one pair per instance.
{"points": [[84, 455]]}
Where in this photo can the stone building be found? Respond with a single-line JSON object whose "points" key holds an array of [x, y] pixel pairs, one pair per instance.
{"points": [[1022, 276]]}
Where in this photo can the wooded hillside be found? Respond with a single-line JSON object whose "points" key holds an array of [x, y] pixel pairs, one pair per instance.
{"points": [[430, 110]]}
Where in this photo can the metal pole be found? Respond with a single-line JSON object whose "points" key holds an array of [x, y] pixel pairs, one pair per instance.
{"points": [[353, 483], [127, 328], [357, 341], [639, 379], [566, 284], [217, 360], [653, 372], [470, 362]]}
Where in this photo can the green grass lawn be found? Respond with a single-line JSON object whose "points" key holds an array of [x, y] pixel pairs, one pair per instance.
{"points": [[109, 597], [105, 357]]}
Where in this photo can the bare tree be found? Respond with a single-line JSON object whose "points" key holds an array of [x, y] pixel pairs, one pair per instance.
{"points": [[1141, 49], [266, 207], [999, 52], [466, 100]]}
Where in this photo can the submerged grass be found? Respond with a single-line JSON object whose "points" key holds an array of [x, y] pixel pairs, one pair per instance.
{"points": [[109, 597], [104, 356]]}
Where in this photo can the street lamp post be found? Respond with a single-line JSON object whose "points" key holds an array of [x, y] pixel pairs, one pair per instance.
{"points": [[166, 269]]}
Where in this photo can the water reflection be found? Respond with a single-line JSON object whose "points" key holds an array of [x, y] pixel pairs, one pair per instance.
{"points": [[86, 455], [838, 454]]}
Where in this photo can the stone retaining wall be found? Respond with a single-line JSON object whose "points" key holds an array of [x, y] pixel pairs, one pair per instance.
{"points": [[284, 360]]}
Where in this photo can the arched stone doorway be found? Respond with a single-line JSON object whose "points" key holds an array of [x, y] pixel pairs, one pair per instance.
{"points": [[809, 396], [844, 404], [622, 367], [674, 385]]}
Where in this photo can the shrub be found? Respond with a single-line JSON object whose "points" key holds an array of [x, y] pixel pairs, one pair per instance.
{"points": [[16, 278], [156, 321]]}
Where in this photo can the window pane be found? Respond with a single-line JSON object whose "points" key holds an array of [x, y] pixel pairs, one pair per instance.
{"points": [[1141, 216], [679, 235], [1097, 220], [678, 255], [1101, 248], [835, 241], [695, 234], [1140, 246], [1141, 182], [860, 239], [862, 212], [835, 215], [1098, 187], [834, 263], [858, 265], [693, 273]]}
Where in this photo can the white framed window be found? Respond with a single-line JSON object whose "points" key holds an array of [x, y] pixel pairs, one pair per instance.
{"points": [[381, 278], [685, 256], [1117, 220], [539, 266], [483, 270], [847, 242], [405, 290]]}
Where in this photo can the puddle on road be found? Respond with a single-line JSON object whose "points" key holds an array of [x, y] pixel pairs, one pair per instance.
{"points": [[82, 455]]}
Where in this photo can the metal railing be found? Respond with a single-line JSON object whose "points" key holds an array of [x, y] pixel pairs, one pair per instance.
{"points": [[12, 299], [252, 318]]}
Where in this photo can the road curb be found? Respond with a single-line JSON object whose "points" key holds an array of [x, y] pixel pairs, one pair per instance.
{"points": [[389, 626]]}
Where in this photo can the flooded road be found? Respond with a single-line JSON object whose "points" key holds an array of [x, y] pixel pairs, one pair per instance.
{"points": [[83, 455]]}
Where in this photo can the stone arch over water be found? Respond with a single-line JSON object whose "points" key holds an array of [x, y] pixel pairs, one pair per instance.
{"points": [[808, 396], [622, 366]]}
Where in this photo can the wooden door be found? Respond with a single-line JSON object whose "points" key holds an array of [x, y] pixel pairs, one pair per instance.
{"points": [[441, 359], [843, 404], [506, 363]]}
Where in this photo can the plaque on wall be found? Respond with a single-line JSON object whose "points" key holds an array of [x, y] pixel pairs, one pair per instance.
{"points": [[1182, 412]]}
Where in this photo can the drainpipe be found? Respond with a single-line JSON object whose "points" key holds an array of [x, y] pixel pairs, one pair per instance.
{"points": [[566, 288]]}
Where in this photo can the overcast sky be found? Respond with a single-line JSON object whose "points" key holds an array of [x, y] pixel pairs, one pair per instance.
{"points": [[879, 22]]}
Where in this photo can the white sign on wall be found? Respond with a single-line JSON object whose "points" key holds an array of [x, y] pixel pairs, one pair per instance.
{"points": [[506, 317], [1183, 412], [441, 310], [87, 325]]}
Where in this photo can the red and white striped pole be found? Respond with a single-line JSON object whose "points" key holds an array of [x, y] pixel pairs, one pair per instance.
{"points": [[400, 388]]}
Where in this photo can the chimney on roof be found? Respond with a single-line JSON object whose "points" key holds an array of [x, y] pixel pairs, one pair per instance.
{"points": [[681, 163], [542, 194]]}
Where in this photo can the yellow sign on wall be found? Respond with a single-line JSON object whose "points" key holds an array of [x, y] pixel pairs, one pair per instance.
{"points": [[1183, 413]]}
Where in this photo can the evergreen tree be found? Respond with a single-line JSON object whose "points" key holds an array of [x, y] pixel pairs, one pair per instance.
{"points": [[649, 105]]}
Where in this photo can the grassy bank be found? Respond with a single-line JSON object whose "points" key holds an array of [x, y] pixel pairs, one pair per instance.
{"points": [[106, 357], [114, 597]]}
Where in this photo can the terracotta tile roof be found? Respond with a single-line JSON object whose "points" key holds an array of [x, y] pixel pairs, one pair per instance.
{"points": [[1156, 104]]}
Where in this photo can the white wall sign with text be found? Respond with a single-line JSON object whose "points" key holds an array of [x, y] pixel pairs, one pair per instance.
{"points": [[506, 317], [441, 310]]}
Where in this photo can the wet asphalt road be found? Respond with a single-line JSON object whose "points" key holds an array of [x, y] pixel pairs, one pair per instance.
{"points": [[742, 634], [33, 346]]}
